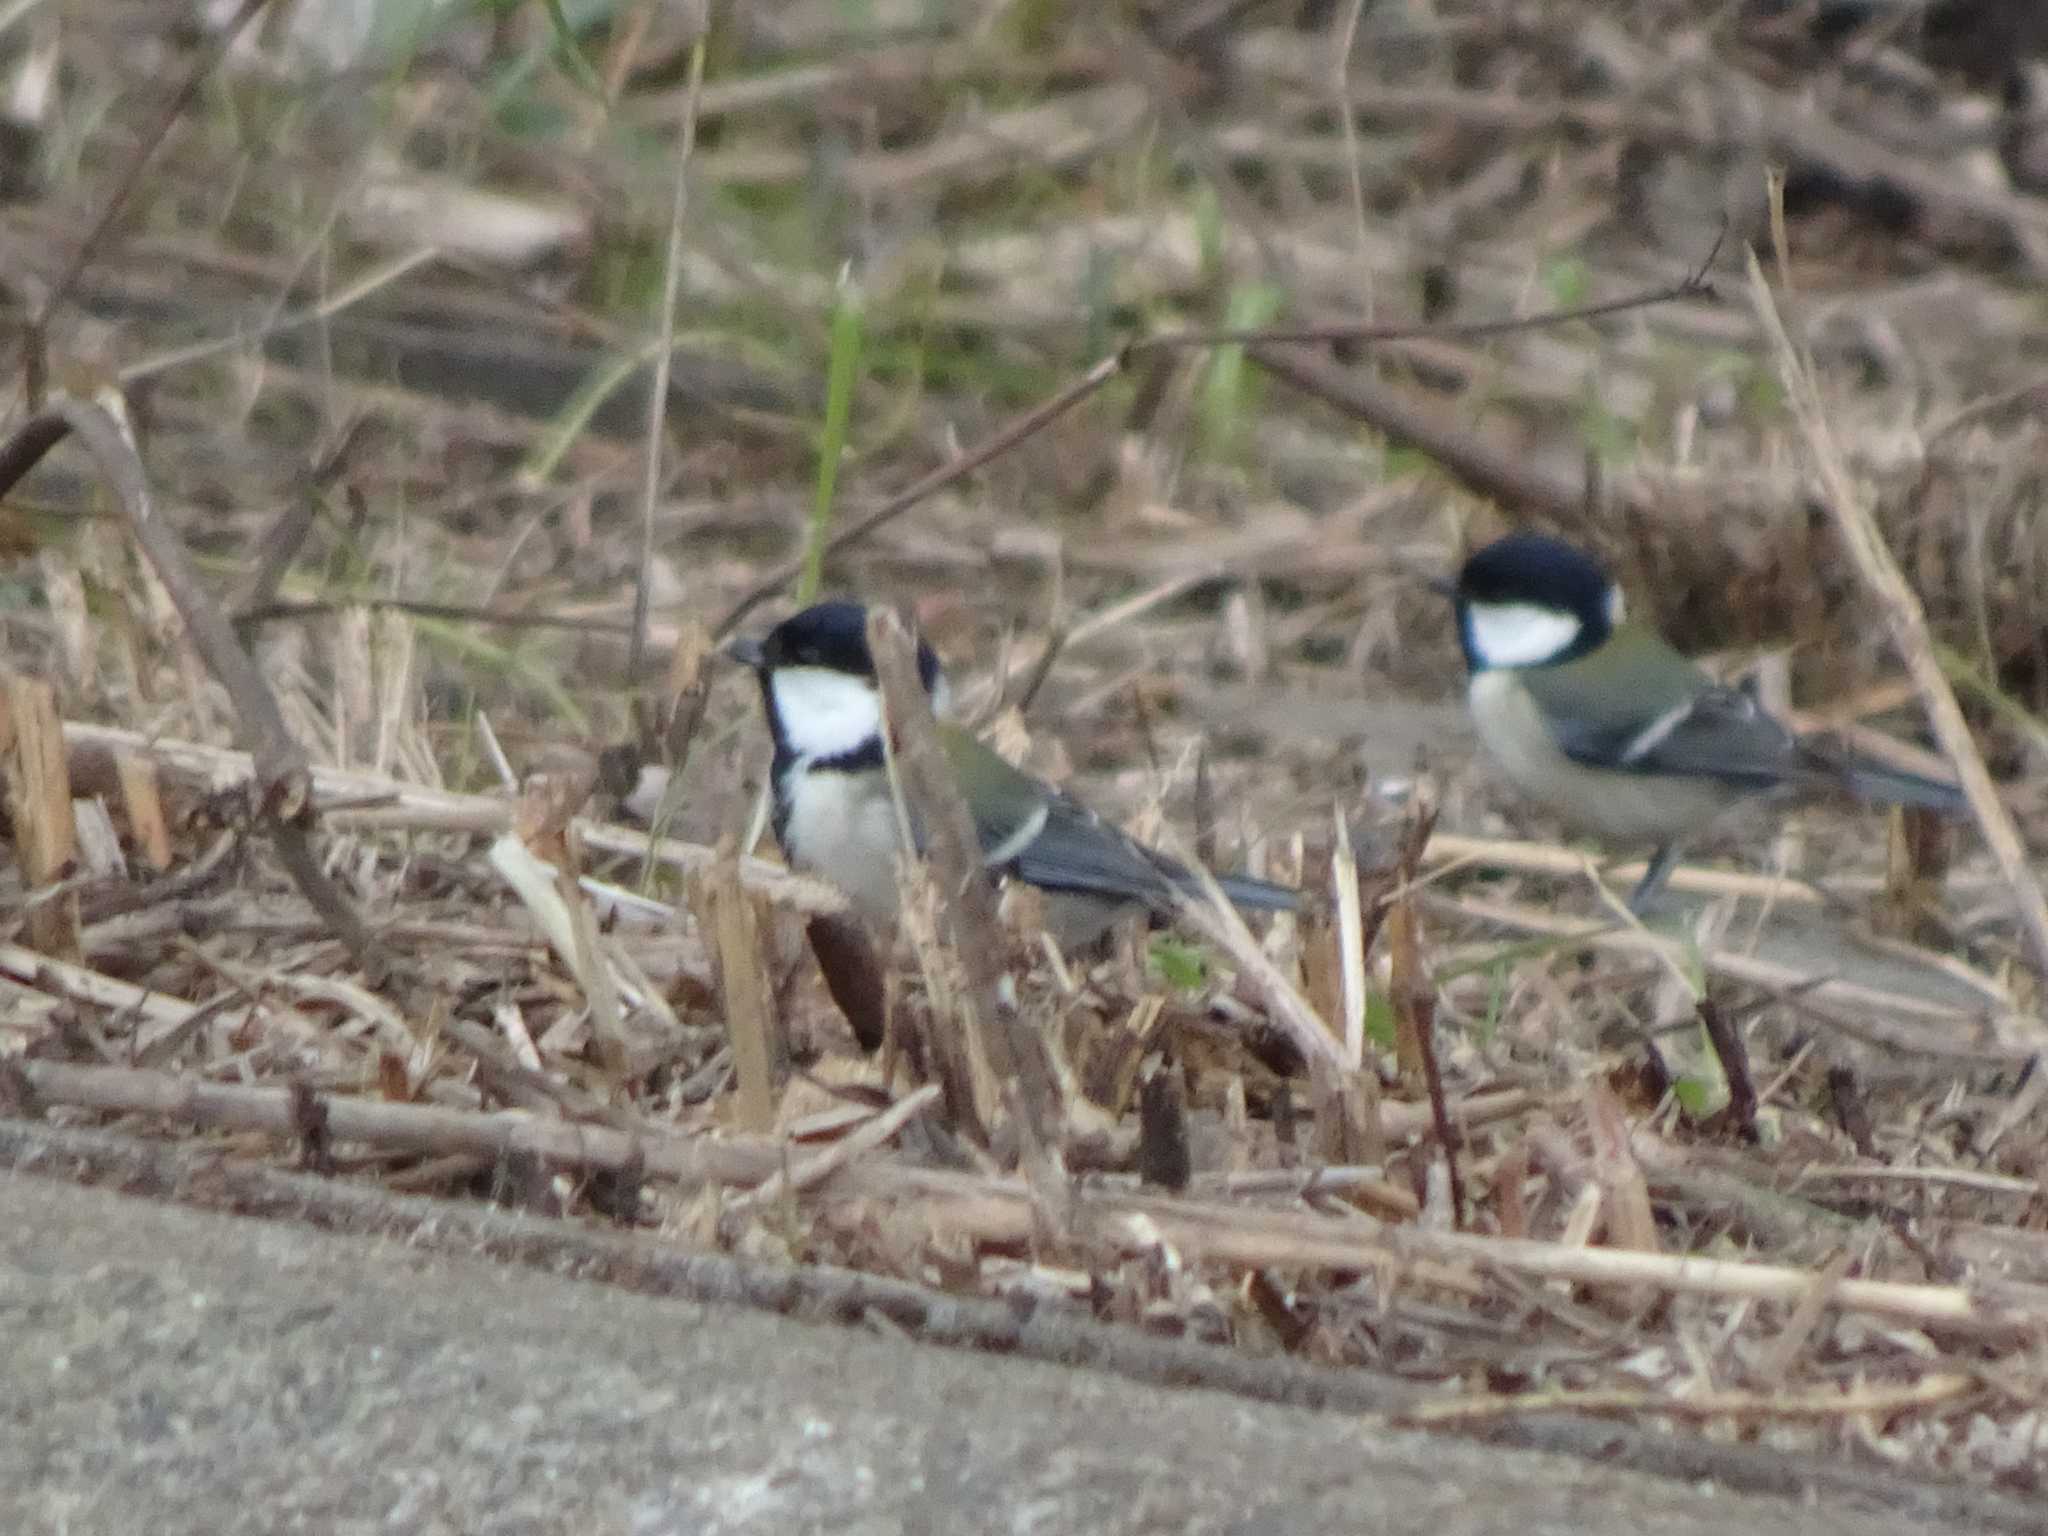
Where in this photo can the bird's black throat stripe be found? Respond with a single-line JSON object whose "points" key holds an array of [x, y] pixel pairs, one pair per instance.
{"points": [[866, 756], [782, 773]]}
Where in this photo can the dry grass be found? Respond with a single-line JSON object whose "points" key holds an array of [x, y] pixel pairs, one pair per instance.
{"points": [[1827, 1233]]}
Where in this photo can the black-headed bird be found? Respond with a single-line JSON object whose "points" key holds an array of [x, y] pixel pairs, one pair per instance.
{"points": [[835, 817], [1603, 722]]}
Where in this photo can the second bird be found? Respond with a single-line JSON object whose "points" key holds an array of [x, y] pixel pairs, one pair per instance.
{"points": [[834, 814], [1603, 722]]}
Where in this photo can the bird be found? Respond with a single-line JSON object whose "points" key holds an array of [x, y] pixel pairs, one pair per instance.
{"points": [[834, 815], [1602, 721]]}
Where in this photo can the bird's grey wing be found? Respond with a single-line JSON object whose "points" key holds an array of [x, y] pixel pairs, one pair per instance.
{"points": [[1639, 707], [1719, 733], [1595, 712], [1635, 705], [1076, 850], [1723, 733]]}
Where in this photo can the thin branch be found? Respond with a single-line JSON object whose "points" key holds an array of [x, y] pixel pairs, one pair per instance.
{"points": [[326, 309], [1013, 432], [1693, 285], [1347, 39], [1922, 1392], [856, 1143]]}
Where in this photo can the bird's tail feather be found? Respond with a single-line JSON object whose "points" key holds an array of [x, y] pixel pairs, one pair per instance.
{"points": [[1869, 779], [1897, 787], [1250, 893]]}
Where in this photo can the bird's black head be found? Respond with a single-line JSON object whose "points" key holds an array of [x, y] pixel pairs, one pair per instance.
{"points": [[832, 636], [1528, 600], [818, 686]]}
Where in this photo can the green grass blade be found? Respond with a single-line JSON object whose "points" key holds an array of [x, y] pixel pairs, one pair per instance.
{"points": [[846, 348], [1229, 392]]}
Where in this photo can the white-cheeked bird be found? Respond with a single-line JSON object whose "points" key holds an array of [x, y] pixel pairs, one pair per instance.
{"points": [[1602, 721], [834, 815]]}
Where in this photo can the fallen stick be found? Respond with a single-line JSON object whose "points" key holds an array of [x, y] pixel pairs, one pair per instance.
{"points": [[991, 1209]]}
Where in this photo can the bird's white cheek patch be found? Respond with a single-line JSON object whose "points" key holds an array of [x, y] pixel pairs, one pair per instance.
{"points": [[825, 714], [1520, 634]]}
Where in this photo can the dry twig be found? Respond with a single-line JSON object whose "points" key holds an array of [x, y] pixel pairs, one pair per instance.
{"points": [[1906, 620], [995, 1028]]}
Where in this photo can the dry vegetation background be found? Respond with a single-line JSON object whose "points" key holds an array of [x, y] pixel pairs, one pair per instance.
{"points": [[383, 309]]}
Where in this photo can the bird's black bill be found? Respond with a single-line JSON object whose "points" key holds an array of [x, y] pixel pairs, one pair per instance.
{"points": [[745, 650]]}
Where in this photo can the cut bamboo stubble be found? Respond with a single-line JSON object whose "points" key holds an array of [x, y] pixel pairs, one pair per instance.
{"points": [[747, 995], [39, 801], [374, 802]]}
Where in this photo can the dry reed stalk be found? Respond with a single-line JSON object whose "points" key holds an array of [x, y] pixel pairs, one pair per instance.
{"points": [[404, 1127], [81, 984], [1959, 1178], [1285, 1239], [1350, 933], [1004, 1210], [992, 1025], [593, 965], [1580, 1223], [1365, 1187], [1927, 1391], [1631, 1223], [1338, 1095], [553, 903], [145, 809], [953, 1035], [39, 803], [1339, 1104], [746, 994], [1905, 619], [1553, 859], [1775, 1363], [281, 772], [813, 1171]]}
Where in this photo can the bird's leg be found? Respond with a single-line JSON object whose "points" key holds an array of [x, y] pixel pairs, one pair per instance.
{"points": [[1644, 897]]}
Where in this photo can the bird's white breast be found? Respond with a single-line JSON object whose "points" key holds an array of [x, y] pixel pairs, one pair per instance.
{"points": [[843, 826]]}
